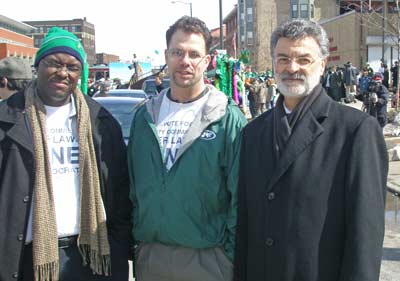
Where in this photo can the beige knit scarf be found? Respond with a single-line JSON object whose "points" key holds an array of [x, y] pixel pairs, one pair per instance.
{"points": [[92, 241]]}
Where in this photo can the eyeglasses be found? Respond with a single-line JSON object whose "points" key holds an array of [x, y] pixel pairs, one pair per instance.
{"points": [[70, 68], [303, 62], [180, 54]]}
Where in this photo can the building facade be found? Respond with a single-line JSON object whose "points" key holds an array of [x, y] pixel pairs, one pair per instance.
{"points": [[371, 33], [84, 30], [103, 58], [258, 18], [360, 31], [230, 23], [14, 40]]}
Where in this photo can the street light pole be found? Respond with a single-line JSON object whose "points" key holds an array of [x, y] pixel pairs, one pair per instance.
{"points": [[397, 93], [221, 35], [186, 3]]}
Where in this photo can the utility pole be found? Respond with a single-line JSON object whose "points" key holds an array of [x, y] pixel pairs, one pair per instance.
{"points": [[384, 27], [397, 94], [221, 31]]}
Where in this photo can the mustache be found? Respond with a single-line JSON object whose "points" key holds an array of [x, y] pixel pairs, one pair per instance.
{"points": [[296, 75], [64, 81]]}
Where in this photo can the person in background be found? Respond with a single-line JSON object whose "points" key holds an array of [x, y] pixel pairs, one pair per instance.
{"points": [[135, 63], [272, 94], [376, 99], [382, 67], [116, 83], [261, 99], [104, 89], [369, 69], [132, 81], [251, 95], [64, 186], [350, 81], [363, 84], [15, 74], [183, 157], [326, 80], [394, 70], [336, 84], [159, 83], [312, 180], [385, 75]]}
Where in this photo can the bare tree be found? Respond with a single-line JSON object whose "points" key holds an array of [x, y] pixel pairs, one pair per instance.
{"points": [[376, 20]]}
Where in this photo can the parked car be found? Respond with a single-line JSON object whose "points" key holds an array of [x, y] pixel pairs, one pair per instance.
{"points": [[131, 93], [149, 86], [123, 109]]}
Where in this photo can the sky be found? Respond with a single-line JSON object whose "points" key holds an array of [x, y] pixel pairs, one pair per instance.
{"points": [[122, 27]]}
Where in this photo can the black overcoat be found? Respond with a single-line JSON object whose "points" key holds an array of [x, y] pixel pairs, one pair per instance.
{"points": [[318, 212], [17, 180]]}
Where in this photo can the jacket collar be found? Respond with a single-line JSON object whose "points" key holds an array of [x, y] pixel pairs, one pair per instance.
{"points": [[213, 110]]}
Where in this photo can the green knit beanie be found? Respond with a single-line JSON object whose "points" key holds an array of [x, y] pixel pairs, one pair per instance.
{"points": [[59, 40]]}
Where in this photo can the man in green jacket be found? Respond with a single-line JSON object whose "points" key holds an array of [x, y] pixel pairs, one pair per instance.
{"points": [[183, 158]]}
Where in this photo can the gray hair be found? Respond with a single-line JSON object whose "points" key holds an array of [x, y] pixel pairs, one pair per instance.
{"points": [[300, 29]]}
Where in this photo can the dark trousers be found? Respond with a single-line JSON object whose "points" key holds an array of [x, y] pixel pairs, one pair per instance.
{"points": [[71, 268]]}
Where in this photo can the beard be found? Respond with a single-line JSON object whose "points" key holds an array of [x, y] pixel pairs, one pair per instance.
{"points": [[301, 89]]}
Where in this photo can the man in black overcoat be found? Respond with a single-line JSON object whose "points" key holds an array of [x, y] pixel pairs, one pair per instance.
{"points": [[313, 174]]}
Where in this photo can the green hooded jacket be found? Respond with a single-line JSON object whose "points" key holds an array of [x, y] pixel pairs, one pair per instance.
{"points": [[194, 203]]}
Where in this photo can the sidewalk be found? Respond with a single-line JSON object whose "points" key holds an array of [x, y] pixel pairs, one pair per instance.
{"points": [[390, 268], [393, 181]]}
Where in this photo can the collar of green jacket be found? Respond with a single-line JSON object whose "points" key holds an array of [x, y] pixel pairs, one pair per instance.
{"points": [[213, 110]]}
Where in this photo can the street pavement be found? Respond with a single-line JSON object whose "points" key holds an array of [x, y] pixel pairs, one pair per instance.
{"points": [[390, 269]]}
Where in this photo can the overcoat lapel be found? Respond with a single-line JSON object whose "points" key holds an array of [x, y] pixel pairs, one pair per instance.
{"points": [[19, 129], [20, 134], [306, 131]]}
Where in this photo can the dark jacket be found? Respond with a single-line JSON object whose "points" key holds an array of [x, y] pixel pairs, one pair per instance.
{"points": [[17, 181], [317, 214], [378, 109], [350, 75]]}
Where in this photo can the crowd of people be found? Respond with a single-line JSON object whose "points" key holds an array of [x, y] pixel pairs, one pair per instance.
{"points": [[199, 193], [372, 88], [261, 93]]}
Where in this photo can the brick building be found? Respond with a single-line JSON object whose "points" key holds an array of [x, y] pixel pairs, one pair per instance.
{"points": [[355, 28], [14, 40], [258, 18], [103, 58], [230, 23], [364, 32], [84, 30]]}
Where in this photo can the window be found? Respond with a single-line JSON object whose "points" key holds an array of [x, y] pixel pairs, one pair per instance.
{"points": [[294, 11], [250, 39], [304, 11], [250, 14]]}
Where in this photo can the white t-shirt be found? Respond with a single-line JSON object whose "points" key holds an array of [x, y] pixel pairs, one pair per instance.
{"points": [[62, 141], [174, 121]]}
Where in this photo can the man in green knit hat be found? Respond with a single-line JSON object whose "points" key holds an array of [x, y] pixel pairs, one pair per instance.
{"points": [[64, 208]]}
